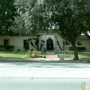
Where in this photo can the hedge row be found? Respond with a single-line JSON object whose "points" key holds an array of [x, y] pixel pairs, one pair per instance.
{"points": [[78, 48], [6, 47]]}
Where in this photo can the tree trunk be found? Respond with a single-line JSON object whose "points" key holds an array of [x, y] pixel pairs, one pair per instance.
{"points": [[75, 52], [60, 45], [41, 46], [33, 45], [37, 44]]}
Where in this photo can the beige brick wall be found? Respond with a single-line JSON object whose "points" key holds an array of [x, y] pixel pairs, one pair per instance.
{"points": [[85, 43], [17, 41]]}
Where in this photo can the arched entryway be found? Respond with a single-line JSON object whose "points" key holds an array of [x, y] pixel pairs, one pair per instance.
{"points": [[49, 44]]}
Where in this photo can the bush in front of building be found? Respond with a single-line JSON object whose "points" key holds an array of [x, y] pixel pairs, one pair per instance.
{"points": [[78, 48], [35, 54], [6, 47]]}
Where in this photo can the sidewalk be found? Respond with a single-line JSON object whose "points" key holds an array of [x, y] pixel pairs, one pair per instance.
{"points": [[50, 55]]}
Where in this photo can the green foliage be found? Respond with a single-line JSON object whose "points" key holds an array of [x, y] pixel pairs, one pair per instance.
{"points": [[78, 48], [12, 56], [68, 19], [6, 47], [7, 14], [35, 54], [25, 20], [37, 45], [42, 41]]}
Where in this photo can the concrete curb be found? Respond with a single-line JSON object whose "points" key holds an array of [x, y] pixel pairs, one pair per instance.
{"points": [[65, 61], [46, 60]]}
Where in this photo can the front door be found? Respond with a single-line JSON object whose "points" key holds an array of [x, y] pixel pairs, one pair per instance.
{"points": [[26, 44], [49, 44]]}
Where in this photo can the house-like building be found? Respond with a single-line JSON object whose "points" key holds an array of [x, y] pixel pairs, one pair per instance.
{"points": [[50, 43]]}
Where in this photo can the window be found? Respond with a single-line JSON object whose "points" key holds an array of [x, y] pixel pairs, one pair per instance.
{"points": [[26, 44], [66, 43], [79, 43], [6, 41]]}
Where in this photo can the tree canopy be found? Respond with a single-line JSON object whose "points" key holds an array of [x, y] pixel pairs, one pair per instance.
{"points": [[7, 15], [69, 18]]}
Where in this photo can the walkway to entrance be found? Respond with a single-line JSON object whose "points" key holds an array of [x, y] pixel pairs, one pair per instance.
{"points": [[51, 55]]}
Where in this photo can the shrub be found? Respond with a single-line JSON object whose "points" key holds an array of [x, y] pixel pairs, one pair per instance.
{"points": [[9, 47], [35, 54], [78, 48], [6, 47], [30, 52]]}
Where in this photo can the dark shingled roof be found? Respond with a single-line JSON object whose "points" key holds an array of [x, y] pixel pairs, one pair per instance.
{"points": [[83, 37]]}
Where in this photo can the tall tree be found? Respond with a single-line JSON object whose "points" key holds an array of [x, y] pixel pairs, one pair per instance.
{"points": [[7, 14], [32, 17], [24, 21], [87, 22], [68, 19]]}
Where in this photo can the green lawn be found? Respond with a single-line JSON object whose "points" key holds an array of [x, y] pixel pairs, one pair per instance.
{"points": [[13, 54], [82, 55], [23, 55], [16, 56]]}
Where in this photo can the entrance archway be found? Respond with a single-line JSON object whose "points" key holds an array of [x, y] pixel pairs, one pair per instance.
{"points": [[49, 44]]}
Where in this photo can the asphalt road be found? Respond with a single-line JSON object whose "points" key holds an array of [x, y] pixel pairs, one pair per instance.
{"points": [[44, 84], [44, 65], [44, 76]]}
